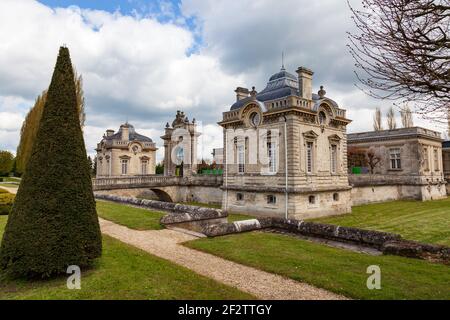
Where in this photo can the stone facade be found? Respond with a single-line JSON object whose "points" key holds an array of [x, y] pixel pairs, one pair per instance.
{"points": [[217, 154], [180, 146], [396, 164], [125, 153], [446, 163], [285, 150]]}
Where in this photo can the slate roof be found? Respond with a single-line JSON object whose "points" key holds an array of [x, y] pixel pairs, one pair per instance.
{"points": [[446, 144], [282, 84], [134, 136], [283, 74]]}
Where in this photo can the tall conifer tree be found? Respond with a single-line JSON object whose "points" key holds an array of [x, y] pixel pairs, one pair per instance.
{"points": [[31, 123], [54, 223]]}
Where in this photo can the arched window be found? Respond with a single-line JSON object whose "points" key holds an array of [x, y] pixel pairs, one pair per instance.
{"points": [[322, 118]]}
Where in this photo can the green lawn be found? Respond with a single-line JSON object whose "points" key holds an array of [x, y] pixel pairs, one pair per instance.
{"points": [[123, 272], [131, 217], [427, 221], [338, 270], [10, 179]]}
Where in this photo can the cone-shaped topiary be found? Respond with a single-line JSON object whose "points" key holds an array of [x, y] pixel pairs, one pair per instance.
{"points": [[53, 222]]}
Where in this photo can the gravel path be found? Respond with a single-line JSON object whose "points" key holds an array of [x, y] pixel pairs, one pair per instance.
{"points": [[166, 244], [10, 190]]}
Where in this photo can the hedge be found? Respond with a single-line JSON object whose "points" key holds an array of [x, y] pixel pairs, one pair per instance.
{"points": [[53, 223], [6, 202]]}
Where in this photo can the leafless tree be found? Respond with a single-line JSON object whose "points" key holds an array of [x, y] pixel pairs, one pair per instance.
{"points": [[407, 118], [402, 52], [377, 126], [373, 160], [390, 119]]}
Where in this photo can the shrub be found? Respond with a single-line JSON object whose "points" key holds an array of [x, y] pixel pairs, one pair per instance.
{"points": [[6, 202], [54, 223]]}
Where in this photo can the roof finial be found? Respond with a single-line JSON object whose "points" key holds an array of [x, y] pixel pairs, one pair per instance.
{"points": [[282, 61]]}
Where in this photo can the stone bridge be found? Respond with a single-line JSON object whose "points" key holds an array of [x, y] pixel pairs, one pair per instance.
{"points": [[199, 188]]}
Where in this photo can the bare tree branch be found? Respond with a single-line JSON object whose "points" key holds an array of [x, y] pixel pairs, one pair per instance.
{"points": [[402, 52]]}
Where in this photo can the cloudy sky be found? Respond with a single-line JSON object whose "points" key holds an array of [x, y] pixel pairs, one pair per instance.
{"points": [[142, 60]]}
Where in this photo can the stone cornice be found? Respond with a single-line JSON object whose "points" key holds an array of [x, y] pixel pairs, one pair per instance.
{"points": [[386, 135], [293, 190]]}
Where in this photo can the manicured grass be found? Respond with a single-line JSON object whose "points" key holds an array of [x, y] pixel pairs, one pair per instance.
{"points": [[131, 217], [427, 221], [10, 179], [338, 270], [232, 217], [123, 272]]}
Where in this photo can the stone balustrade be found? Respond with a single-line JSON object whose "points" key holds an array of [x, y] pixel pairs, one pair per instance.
{"points": [[147, 181]]}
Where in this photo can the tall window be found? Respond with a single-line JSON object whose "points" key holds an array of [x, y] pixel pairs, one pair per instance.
{"points": [[144, 165], [241, 158], [425, 159], [309, 157], [333, 158], [435, 159], [124, 166], [271, 153], [394, 156]]}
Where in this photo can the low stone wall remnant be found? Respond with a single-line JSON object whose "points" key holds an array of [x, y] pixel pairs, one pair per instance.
{"points": [[413, 249], [236, 227], [387, 243], [195, 212], [211, 222]]}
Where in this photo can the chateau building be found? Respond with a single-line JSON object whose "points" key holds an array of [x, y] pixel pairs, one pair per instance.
{"points": [[125, 153], [404, 163], [285, 150]]}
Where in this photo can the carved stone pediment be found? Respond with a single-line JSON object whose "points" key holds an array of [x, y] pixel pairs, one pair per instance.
{"points": [[310, 135], [334, 138]]}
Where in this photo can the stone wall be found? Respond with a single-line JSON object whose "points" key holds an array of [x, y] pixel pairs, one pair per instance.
{"points": [[193, 212], [332, 202], [379, 188], [196, 188], [387, 243]]}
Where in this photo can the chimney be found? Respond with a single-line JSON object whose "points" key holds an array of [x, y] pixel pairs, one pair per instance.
{"points": [[125, 132], [241, 93], [305, 82], [109, 132]]}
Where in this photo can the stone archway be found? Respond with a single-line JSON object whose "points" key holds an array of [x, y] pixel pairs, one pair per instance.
{"points": [[162, 195]]}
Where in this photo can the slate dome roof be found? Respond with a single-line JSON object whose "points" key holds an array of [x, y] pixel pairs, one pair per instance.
{"points": [[134, 136], [282, 74]]}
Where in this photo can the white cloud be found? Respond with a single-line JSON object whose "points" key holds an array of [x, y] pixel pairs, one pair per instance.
{"points": [[133, 67], [140, 69]]}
